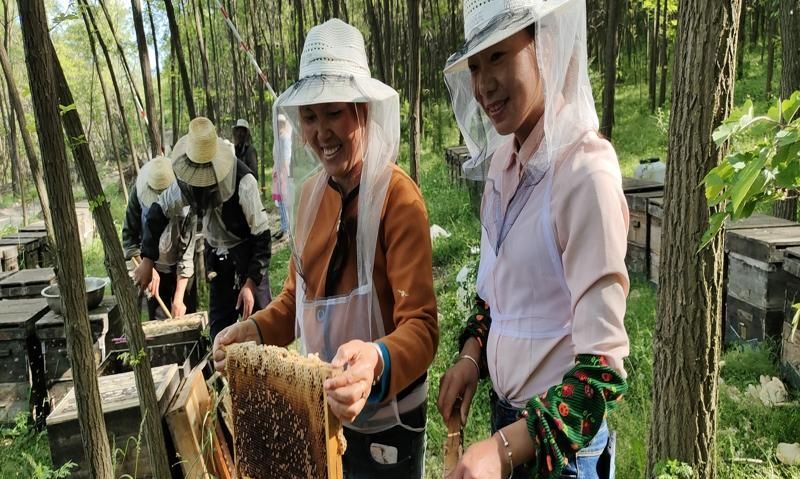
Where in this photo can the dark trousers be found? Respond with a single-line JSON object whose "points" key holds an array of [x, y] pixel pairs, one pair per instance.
{"points": [[359, 461], [223, 292], [166, 291]]}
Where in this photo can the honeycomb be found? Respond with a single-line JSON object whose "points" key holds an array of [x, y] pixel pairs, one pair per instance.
{"points": [[283, 427]]}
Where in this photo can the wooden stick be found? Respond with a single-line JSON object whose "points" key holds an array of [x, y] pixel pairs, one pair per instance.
{"points": [[158, 298]]}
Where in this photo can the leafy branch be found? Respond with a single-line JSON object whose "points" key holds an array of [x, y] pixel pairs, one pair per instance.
{"points": [[762, 166]]}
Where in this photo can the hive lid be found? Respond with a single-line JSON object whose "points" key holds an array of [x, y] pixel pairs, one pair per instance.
{"points": [[16, 313], [29, 276], [636, 185], [762, 244], [117, 392], [758, 221]]}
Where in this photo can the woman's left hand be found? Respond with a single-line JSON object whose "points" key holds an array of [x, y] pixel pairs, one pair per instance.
{"points": [[482, 460], [348, 392]]}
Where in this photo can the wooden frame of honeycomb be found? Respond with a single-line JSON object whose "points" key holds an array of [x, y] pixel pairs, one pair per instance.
{"points": [[282, 425]]}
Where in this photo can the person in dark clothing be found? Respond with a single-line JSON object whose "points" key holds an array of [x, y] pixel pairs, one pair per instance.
{"points": [[173, 278], [245, 151], [223, 193]]}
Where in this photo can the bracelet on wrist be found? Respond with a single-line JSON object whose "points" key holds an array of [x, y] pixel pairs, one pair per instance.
{"points": [[473, 360], [509, 454]]}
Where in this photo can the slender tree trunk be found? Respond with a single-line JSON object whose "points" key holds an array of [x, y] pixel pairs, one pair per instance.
{"points": [[664, 55], [770, 57], [173, 96], [790, 82], [126, 130], [375, 37], [203, 61], [613, 8], [16, 169], [68, 254], [741, 42], [654, 39], [687, 341], [30, 149], [107, 103], [215, 60], [158, 74], [298, 10], [415, 110], [175, 38], [124, 289], [153, 121], [386, 41]]}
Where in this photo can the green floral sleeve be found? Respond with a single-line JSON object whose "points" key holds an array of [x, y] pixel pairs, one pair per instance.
{"points": [[477, 327], [567, 417]]}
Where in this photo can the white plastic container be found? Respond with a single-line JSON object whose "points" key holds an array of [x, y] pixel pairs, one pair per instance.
{"points": [[652, 169]]}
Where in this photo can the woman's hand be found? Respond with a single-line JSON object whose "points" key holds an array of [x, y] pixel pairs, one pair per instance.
{"points": [[482, 460], [458, 385], [236, 333], [348, 391]]}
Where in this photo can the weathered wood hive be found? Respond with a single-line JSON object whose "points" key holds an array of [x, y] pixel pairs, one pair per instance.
{"points": [[281, 421]]}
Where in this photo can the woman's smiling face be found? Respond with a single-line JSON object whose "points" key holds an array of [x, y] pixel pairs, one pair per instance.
{"points": [[507, 85], [335, 132]]}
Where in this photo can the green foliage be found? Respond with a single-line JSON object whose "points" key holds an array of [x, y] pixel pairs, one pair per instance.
{"points": [[24, 453], [763, 164], [133, 359], [672, 469]]}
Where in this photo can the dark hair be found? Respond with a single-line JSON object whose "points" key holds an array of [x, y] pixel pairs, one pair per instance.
{"points": [[531, 29]]}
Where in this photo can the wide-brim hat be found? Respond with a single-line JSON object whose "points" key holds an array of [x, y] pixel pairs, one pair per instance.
{"points": [[154, 177], [200, 158], [488, 22], [334, 68]]}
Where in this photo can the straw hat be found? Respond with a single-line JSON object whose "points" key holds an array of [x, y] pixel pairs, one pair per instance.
{"points": [[200, 158], [334, 68], [154, 177], [488, 22], [241, 123]]}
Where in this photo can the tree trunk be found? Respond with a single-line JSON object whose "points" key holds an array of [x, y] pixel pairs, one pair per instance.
{"points": [[298, 11], [147, 81], [16, 169], [770, 57], [173, 97], [175, 39], [124, 289], [790, 82], [68, 253], [415, 74], [613, 8], [653, 73], [687, 341], [203, 61], [158, 75], [107, 103], [30, 149], [375, 39], [740, 42], [215, 61], [664, 55], [126, 130]]}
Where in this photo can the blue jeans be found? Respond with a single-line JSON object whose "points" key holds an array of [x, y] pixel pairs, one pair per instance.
{"points": [[282, 213], [595, 461]]}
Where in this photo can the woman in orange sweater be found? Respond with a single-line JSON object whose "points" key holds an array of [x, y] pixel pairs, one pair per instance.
{"points": [[360, 286]]}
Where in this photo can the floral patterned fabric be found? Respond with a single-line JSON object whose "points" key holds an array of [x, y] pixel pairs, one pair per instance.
{"points": [[565, 418]]}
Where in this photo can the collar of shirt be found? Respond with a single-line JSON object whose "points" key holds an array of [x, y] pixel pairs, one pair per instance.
{"points": [[522, 154]]}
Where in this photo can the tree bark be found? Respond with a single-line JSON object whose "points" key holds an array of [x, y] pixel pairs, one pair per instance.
{"points": [[770, 56], [375, 39], [790, 82], [415, 74], [30, 149], [107, 103], [115, 264], [126, 130], [175, 38], [203, 61], [68, 254], [687, 341], [613, 8], [152, 119]]}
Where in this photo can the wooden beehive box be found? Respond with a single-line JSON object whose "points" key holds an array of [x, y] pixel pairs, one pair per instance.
{"points": [[638, 194], [9, 258], [790, 344], [28, 250], [281, 421], [26, 283], [51, 333], [120, 402], [756, 282], [188, 421], [37, 240]]}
